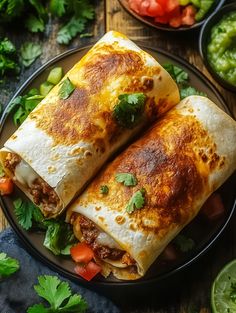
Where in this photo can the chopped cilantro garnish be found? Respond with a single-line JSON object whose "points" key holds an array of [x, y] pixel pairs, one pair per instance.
{"points": [[129, 110], [29, 52], [8, 265], [136, 202], [184, 244], [127, 179], [66, 89], [190, 91], [104, 189]]}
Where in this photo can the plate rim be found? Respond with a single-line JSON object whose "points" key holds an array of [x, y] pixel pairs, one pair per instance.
{"points": [[60, 270]]}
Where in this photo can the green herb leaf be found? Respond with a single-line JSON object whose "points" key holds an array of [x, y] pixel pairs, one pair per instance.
{"points": [[70, 30], [177, 73], [129, 110], [136, 202], [34, 24], [184, 244], [8, 59], [66, 89], [58, 7], [190, 91], [59, 237], [8, 265], [126, 178], [233, 292], [29, 52], [59, 296], [104, 189], [26, 213], [7, 47]]}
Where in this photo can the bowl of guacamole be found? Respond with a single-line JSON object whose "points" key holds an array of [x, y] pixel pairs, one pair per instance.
{"points": [[217, 45]]}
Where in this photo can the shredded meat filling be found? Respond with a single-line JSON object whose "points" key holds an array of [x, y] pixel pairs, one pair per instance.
{"points": [[11, 161], [90, 233]]}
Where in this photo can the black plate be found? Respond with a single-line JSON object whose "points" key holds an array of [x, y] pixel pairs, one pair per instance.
{"points": [[203, 233], [150, 21]]}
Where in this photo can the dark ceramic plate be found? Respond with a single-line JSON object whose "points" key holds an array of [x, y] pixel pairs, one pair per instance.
{"points": [[150, 21], [202, 232], [204, 41]]}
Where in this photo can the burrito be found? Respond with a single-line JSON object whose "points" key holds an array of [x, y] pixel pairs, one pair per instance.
{"points": [[105, 99], [154, 188]]}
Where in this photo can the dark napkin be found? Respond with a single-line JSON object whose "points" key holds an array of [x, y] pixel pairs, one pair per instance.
{"points": [[17, 292]]}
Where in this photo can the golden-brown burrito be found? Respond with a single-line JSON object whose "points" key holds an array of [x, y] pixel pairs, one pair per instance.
{"points": [[146, 196], [66, 139]]}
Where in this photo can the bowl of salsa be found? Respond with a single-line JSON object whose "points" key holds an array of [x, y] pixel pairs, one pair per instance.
{"points": [[217, 44]]}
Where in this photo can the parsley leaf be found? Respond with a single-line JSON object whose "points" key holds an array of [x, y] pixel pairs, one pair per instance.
{"points": [[59, 296], [58, 7], [184, 244], [66, 89], [104, 189], [70, 30], [8, 265], [190, 91], [129, 110], [26, 213], [8, 59], [126, 178], [34, 24], [136, 202], [29, 52]]}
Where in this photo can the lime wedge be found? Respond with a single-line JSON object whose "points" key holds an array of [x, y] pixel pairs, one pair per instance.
{"points": [[223, 292]]}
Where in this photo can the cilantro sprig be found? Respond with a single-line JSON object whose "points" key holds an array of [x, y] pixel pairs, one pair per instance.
{"points": [[129, 110], [29, 52], [66, 89], [182, 79], [137, 201], [8, 58], [8, 265], [104, 189], [127, 179], [58, 295]]}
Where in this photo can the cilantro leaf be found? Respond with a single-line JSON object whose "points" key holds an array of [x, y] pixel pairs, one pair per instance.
{"points": [[70, 30], [184, 244], [83, 8], [177, 73], [104, 189], [59, 237], [34, 24], [126, 178], [59, 296], [58, 7], [66, 89], [190, 91], [8, 265], [26, 213], [136, 202], [29, 52], [129, 110], [7, 47]]}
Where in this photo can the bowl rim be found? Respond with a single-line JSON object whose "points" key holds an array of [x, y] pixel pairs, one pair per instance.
{"points": [[211, 21], [162, 27]]}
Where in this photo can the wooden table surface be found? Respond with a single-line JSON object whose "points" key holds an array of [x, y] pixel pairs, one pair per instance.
{"points": [[192, 293]]}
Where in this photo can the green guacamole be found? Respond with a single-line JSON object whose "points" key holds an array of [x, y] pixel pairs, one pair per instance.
{"points": [[221, 50]]}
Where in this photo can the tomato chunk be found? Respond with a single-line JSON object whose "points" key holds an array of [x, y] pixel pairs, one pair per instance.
{"points": [[213, 208], [188, 15], [88, 271], [6, 186], [81, 253], [155, 9]]}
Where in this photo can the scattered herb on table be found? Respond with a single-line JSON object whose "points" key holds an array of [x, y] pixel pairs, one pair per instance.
{"points": [[137, 201], [8, 58], [104, 189], [129, 110], [184, 244], [182, 79], [58, 295], [8, 265], [66, 89], [29, 52], [127, 179]]}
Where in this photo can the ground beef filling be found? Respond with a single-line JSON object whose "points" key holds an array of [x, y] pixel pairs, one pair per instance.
{"points": [[42, 193], [90, 233]]}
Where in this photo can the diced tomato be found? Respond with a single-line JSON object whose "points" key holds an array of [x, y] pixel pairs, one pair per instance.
{"points": [[155, 9], [143, 8], [88, 271], [6, 186], [171, 5], [176, 21], [135, 5], [81, 253], [170, 253], [213, 208], [162, 19], [188, 15]]}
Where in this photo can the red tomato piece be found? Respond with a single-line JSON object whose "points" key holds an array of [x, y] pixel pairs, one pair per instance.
{"points": [[188, 15], [213, 208], [6, 186], [171, 5], [175, 21], [135, 5], [162, 19], [155, 9], [81, 253], [88, 271], [144, 7]]}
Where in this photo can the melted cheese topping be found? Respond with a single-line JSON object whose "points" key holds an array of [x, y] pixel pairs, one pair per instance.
{"points": [[24, 174]]}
